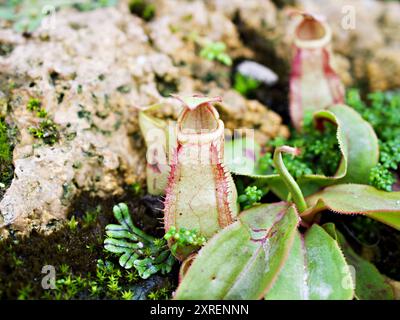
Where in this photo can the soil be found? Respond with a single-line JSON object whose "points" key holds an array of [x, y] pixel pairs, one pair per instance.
{"points": [[23, 258]]}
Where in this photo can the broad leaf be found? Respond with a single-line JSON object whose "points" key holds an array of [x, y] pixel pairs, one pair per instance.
{"points": [[357, 142], [242, 156], [369, 283], [242, 260], [159, 141], [314, 270], [357, 199]]}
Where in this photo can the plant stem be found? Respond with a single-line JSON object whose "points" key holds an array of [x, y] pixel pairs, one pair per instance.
{"points": [[289, 181]]}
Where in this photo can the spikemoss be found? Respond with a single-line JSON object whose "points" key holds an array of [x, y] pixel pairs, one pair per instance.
{"points": [[83, 269]]}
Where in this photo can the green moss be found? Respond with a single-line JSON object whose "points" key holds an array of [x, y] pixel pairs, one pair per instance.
{"points": [[160, 294], [47, 131], [143, 9], [320, 152], [6, 165], [216, 51], [83, 269], [34, 104], [182, 238], [382, 111], [245, 85], [166, 87], [251, 196]]}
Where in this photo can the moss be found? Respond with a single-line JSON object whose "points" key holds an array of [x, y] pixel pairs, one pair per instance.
{"points": [[6, 165], [143, 9], [166, 87], [34, 104], [47, 130], [84, 270], [6, 49]]}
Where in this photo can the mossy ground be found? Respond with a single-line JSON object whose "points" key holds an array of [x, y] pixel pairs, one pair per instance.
{"points": [[84, 270]]}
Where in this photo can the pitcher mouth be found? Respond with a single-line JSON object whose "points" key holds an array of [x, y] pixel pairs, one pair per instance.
{"points": [[201, 120], [312, 33], [201, 125]]}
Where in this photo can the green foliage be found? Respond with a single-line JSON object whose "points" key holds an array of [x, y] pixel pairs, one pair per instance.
{"points": [[215, 51], [315, 270], [90, 216], [252, 195], [145, 253], [25, 292], [6, 167], [27, 15], [244, 84], [160, 294], [47, 131], [383, 112], [381, 178], [42, 113], [136, 188], [142, 8], [319, 152], [243, 259], [369, 283], [127, 295], [184, 238], [73, 224], [34, 104], [107, 282], [263, 254]]}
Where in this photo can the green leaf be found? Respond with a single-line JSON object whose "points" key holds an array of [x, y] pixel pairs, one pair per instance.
{"points": [[369, 283], [118, 246], [314, 270], [121, 213], [119, 232], [131, 243], [145, 268], [242, 260], [357, 141], [241, 155], [127, 260], [357, 199], [358, 145]]}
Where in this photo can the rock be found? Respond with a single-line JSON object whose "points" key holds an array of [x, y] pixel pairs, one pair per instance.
{"points": [[239, 113], [383, 69], [92, 81], [96, 151], [258, 71]]}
